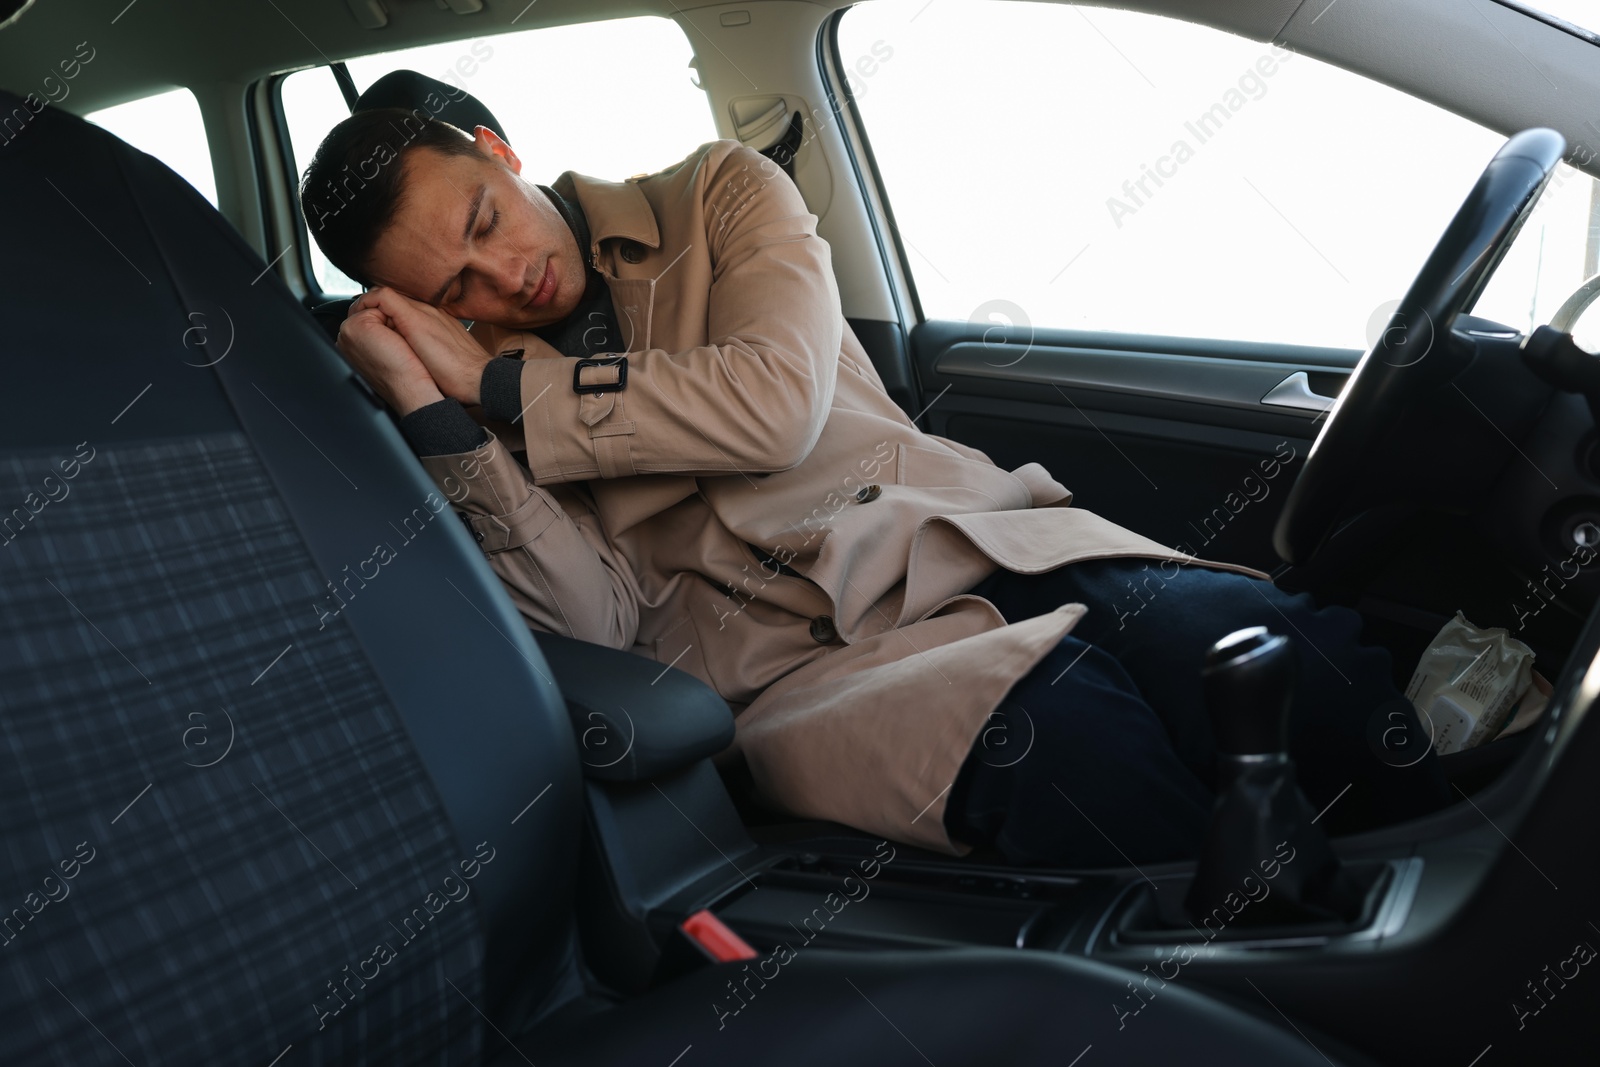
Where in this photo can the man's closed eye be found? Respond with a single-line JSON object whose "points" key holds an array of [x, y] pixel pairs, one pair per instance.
{"points": [[494, 221]]}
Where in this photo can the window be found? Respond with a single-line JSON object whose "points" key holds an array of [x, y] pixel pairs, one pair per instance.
{"points": [[551, 90], [1119, 171], [167, 126], [313, 105]]}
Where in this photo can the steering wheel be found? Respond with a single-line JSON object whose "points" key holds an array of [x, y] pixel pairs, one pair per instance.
{"points": [[1412, 355]]}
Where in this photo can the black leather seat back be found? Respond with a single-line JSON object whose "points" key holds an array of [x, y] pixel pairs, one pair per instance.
{"points": [[279, 762]]}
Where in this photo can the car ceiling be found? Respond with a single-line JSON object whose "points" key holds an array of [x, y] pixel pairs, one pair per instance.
{"points": [[1483, 60], [161, 43], [164, 43]]}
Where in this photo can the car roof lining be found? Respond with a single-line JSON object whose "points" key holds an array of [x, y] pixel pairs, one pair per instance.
{"points": [[1435, 50], [151, 46]]}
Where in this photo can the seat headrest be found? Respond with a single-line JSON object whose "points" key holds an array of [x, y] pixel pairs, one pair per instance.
{"points": [[411, 90]]}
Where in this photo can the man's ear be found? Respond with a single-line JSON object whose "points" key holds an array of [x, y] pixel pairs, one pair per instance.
{"points": [[491, 144]]}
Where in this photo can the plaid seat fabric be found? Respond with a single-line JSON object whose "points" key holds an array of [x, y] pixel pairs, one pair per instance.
{"points": [[219, 845]]}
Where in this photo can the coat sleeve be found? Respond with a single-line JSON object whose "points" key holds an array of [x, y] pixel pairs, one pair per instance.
{"points": [[752, 400], [545, 545]]}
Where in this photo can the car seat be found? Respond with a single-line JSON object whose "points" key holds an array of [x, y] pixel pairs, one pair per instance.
{"points": [[284, 777]]}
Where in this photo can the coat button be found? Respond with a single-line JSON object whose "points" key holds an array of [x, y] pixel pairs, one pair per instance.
{"points": [[632, 251], [822, 630], [869, 493]]}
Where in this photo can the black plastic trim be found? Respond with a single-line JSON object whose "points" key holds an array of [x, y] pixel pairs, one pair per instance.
{"points": [[1550, 20], [302, 250], [1195, 379], [890, 353], [347, 84], [934, 336], [252, 123]]}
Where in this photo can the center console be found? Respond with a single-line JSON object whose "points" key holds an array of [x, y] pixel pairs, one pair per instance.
{"points": [[1425, 962]]}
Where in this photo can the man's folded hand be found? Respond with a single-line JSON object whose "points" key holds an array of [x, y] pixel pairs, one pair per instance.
{"points": [[452, 357], [384, 358]]}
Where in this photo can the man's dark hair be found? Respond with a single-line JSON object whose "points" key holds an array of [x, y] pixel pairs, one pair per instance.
{"points": [[355, 183]]}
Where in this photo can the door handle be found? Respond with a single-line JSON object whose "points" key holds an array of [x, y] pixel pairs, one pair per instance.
{"points": [[1295, 392]]}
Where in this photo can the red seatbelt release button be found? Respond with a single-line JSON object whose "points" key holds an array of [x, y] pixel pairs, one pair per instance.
{"points": [[712, 936]]}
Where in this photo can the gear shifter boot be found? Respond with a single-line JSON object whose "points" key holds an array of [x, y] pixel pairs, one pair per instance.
{"points": [[1262, 831]]}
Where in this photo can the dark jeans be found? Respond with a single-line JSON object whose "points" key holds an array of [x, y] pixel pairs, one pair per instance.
{"points": [[1103, 754]]}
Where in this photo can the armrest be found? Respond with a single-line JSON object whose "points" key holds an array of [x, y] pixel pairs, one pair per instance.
{"points": [[635, 720]]}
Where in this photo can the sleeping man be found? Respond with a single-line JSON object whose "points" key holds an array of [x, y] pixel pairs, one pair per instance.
{"points": [[666, 439]]}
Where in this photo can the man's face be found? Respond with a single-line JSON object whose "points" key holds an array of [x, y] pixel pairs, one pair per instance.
{"points": [[474, 239]]}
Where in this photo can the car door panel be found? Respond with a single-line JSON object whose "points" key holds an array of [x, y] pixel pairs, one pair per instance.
{"points": [[1191, 442]]}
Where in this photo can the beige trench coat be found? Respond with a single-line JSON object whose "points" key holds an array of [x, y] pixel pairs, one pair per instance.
{"points": [[752, 416]]}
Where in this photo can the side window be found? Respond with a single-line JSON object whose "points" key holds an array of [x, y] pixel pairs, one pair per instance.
{"points": [[1094, 169], [313, 105], [167, 126], [609, 127]]}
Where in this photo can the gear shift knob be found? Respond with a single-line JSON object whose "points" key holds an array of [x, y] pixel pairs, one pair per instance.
{"points": [[1261, 814], [1248, 677]]}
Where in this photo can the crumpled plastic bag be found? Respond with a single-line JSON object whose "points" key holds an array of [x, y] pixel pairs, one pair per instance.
{"points": [[1471, 683], [1529, 708]]}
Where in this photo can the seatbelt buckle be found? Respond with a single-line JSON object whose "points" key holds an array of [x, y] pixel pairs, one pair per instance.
{"points": [[702, 940], [619, 362], [715, 939]]}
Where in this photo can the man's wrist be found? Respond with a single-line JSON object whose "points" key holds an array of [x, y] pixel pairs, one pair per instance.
{"points": [[469, 390], [414, 396]]}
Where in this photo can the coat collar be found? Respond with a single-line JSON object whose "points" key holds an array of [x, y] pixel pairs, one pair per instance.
{"points": [[612, 209]]}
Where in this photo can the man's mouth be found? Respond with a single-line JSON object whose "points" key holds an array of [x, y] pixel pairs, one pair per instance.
{"points": [[547, 288]]}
